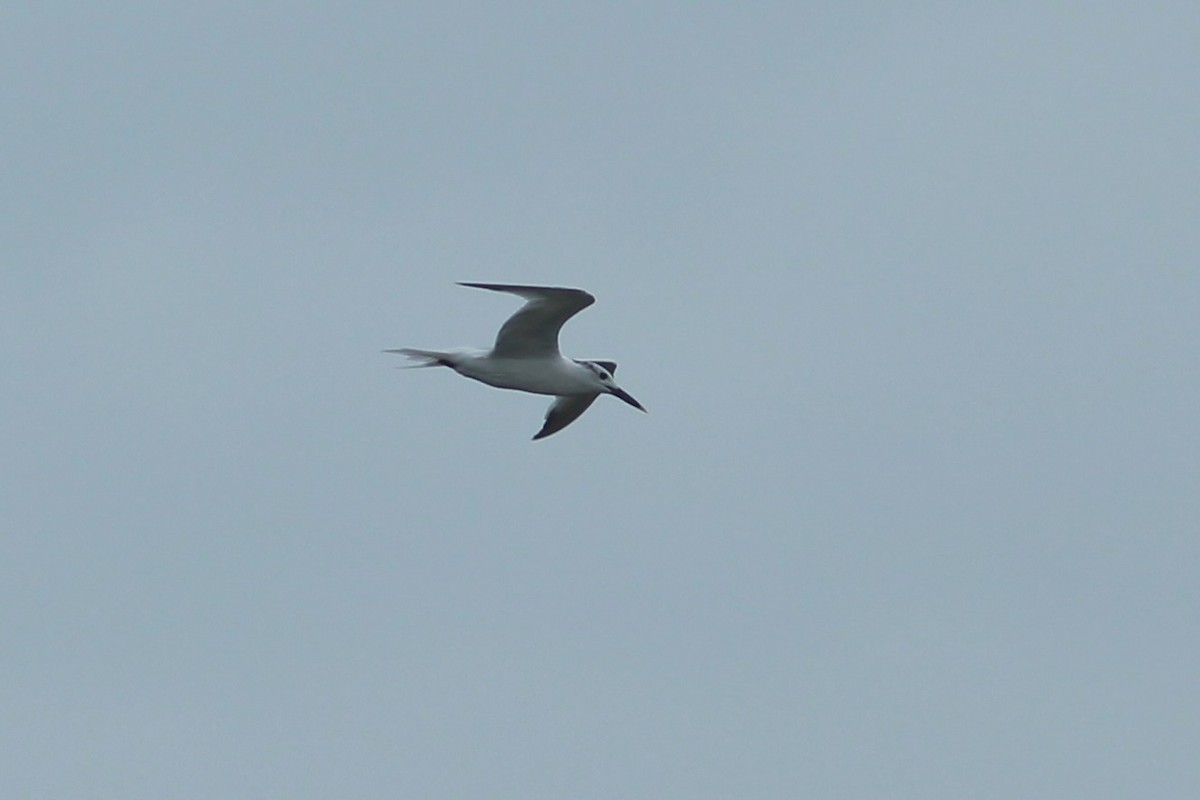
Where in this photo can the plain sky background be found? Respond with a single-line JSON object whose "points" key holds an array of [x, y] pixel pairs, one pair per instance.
{"points": [[911, 291]]}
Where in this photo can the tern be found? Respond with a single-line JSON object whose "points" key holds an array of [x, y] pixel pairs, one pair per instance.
{"points": [[526, 358]]}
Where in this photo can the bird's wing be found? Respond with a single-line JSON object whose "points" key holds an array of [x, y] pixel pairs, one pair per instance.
{"points": [[532, 332], [563, 411]]}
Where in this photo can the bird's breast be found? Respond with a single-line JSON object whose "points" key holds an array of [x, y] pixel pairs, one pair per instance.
{"points": [[553, 376]]}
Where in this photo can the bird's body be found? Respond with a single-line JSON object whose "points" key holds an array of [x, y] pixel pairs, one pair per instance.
{"points": [[554, 375], [526, 358]]}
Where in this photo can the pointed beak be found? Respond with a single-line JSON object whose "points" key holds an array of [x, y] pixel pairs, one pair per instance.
{"points": [[627, 397]]}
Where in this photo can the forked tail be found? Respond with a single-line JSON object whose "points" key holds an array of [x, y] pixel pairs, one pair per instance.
{"points": [[428, 358]]}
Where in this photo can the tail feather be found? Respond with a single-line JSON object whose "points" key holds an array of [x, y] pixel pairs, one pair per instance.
{"points": [[428, 358]]}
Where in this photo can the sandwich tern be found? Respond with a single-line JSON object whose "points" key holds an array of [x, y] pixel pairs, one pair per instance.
{"points": [[525, 356]]}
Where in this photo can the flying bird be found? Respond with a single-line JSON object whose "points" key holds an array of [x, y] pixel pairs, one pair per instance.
{"points": [[525, 356]]}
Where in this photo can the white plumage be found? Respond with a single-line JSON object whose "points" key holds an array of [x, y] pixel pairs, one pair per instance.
{"points": [[525, 356]]}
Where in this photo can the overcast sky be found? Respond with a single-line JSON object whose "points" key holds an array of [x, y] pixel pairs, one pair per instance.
{"points": [[911, 291]]}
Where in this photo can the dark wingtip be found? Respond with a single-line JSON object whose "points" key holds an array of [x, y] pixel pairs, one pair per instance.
{"points": [[495, 287], [518, 288]]}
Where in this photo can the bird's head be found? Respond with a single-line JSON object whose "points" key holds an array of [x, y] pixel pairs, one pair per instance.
{"points": [[603, 370]]}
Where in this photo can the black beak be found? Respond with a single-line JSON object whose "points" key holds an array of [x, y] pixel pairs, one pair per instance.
{"points": [[627, 397]]}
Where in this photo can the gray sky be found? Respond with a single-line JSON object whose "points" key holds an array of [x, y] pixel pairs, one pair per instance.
{"points": [[910, 291]]}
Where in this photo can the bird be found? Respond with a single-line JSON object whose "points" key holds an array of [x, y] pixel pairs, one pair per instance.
{"points": [[526, 358]]}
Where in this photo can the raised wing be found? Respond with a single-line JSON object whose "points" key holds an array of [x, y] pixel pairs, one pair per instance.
{"points": [[532, 332], [563, 411]]}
